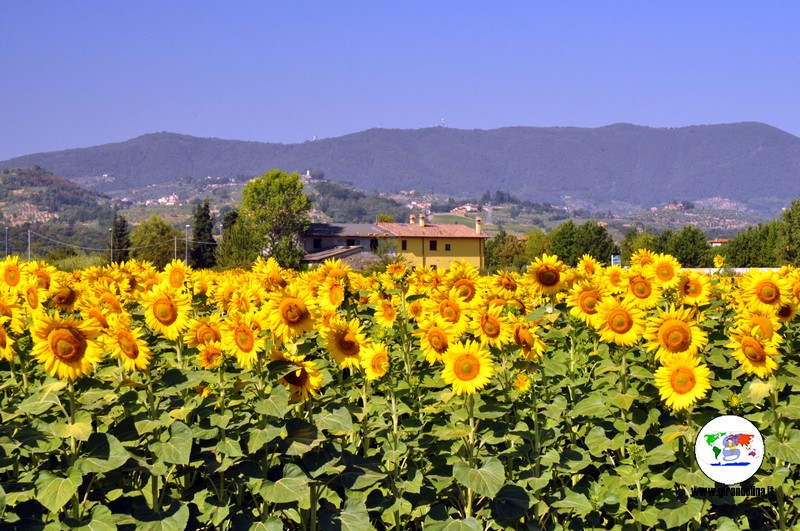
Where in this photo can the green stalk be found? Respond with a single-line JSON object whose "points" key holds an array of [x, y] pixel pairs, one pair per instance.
{"points": [[779, 494], [365, 420], [470, 402], [73, 445], [151, 406], [221, 493]]}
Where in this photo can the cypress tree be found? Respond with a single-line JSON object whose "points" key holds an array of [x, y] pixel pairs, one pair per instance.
{"points": [[201, 250]]}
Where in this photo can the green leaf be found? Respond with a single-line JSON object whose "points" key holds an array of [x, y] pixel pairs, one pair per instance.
{"points": [[468, 524], [176, 517], [486, 480], [575, 501], [178, 447], [229, 447], [292, 487], [511, 503], [2, 500], [684, 478], [354, 516], [726, 524], [677, 513], [788, 450], [591, 406], [259, 438], [104, 453], [276, 404], [54, 492], [300, 437], [648, 517], [101, 520], [272, 524], [337, 421], [596, 441]]}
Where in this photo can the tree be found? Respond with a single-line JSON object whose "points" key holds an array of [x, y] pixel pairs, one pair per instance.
{"points": [[505, 251], [593, 239], [154, 240], [633, 241], [790, 234], [238, 246], [275, 209], [537, 243], [385, 218], [120, 240], [201, 251], [690, 247], [564, 243]]}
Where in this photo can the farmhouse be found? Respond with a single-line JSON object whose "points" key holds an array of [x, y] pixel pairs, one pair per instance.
{"points": [[420, 243]]}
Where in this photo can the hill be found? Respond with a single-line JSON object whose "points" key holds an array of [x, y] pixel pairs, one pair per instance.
{"points": [[619, 167]]}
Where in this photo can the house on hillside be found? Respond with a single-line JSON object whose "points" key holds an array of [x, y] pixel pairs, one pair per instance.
{"points": [[425, 244], [420, 243]]}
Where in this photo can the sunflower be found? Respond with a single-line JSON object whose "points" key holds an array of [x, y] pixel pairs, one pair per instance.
{"points": [[615, 280], [435, 336], [644, 291], [68, 348], [6, 341], [270, 274], [522, 382], [468, 367], [210, 355], [34, 296], [463, 279], [303, 382], [68, 294], [588, 266], [202, 330], [127, 344], [415, 310], [166, 311], [619, 322], [385, 313], [683, 381], [43, 273], [375, 361], [490, 327], [344, 341], [397, 270], [240, 333], [765, 290], [331, 294], [201, 281], [505, 284], [753, 352], [545, 275], [451, 309], [582, 300], [290, 312], [524, 333], [176, 274], [11, 273], [674, 331], [765, 324], [694, 288], [11, 309], [786, 312], [667, 270], [642, 257], [719, 261]]}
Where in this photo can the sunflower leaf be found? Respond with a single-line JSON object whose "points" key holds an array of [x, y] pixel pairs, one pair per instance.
{"points": [[486, 480], [54, 492], [177, 449]]}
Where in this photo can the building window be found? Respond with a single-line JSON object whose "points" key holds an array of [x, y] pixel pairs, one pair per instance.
{"points": [[373, 244], [404, 245], [433, 245], [350, 243], [317, 243], [447, 247]]}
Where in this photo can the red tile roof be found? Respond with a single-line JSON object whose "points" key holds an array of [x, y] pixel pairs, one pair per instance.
{"points": [[431, 230]]}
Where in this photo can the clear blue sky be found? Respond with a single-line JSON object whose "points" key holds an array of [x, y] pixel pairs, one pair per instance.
{"points": [[79, 74]]}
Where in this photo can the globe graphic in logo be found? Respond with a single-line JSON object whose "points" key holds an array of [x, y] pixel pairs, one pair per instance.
{"points": [[729, 449]]}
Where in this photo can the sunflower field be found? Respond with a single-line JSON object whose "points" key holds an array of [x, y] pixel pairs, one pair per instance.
{"points": [[558, 398]]}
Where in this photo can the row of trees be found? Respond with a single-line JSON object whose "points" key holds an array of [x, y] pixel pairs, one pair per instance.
{"points": [[571, 241], [273, 213]]}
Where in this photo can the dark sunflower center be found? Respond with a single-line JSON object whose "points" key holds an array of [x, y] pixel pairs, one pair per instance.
{"points": [[466, 367], [767, 292], [165, 311], [438, 340], [619, 321], [548, 276], [753, 350], [292, 311], [683, 380], [128, 346], [67, 344], [675, 335]]}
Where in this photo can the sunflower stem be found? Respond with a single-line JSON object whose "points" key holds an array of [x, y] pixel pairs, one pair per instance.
{"points": [[779, 494], [470, 403], [365, 420], [73, 445], [222, 429], [23, 368]]}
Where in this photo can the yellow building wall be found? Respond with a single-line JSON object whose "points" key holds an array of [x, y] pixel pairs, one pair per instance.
{"points": [[419, 254]]}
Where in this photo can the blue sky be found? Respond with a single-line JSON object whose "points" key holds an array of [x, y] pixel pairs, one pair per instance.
{"points": [[78, 74]]}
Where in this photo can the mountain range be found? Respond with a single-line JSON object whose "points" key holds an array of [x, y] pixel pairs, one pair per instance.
{"points": [[616, 167]]}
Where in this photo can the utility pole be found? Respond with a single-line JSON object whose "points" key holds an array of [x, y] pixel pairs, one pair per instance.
{"points": [[6, 242], [175, 249], [186, 258], [29, 245], [220, 231]]}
